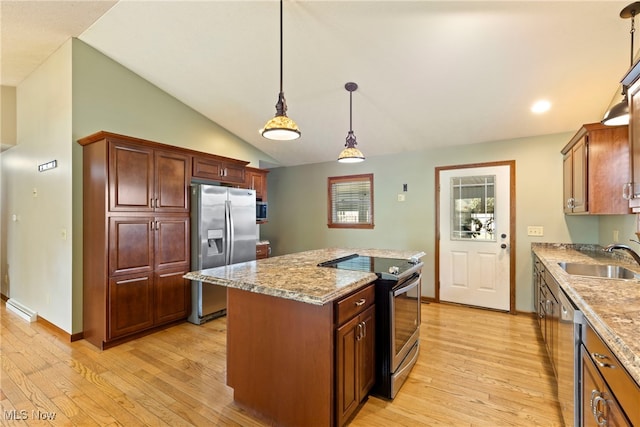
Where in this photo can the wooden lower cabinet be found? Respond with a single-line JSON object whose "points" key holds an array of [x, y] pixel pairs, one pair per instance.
{"points": [[130, 305], [301, 364], [172, 296], [355, 363], [599, 406], [262, 251], [140, 302]]}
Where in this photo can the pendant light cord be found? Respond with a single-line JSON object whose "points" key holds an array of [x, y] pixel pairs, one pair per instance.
{"points": [[350, 111], [633, 30], [281, 47]]}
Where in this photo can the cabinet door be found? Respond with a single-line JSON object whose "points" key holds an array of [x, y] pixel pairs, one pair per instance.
{"points": [[567, 166], [347, 395], [634, 135], [207, 168], [171, 182], [130, 178], [233, 173], [257, 180], [599, 407], [171, 241], [579, 154], [608, 170], [367, 356], [172, 296], [218, 170], [130, 305], [130, 245]]}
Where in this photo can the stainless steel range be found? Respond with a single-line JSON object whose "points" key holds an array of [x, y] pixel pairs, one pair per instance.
{"points": [[397, 315]]}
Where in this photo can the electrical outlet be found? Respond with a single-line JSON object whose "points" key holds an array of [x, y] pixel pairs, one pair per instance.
{"points": [[535, 230], [616, 235], [401, 198]]}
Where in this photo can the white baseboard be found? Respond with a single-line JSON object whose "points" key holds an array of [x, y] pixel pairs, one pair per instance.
{"points": [[25, 312]]}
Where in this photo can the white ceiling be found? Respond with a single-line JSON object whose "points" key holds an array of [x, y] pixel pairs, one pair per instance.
{"points": [[430, 73]]}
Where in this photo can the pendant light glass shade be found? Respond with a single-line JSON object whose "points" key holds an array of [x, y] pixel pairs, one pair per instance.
{"points": [[618, 114], [350, 154], [281, 127]]}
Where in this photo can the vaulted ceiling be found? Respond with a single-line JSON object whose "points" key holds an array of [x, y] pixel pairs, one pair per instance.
{"points": [[430, 73]]}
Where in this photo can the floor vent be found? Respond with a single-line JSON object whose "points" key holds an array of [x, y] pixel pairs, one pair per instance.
{"points": [[22, 311]]}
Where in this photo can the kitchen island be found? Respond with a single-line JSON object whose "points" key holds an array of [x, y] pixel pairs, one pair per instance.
{"points": [[281, 322]]}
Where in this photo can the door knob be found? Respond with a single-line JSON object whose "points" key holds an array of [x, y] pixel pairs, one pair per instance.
{"points": [[503, 246], [504, 236]]}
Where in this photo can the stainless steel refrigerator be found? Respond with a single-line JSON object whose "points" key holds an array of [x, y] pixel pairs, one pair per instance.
{"points": [[223, 232]]}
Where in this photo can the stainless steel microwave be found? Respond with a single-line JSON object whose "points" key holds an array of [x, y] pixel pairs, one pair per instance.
{"points": [[261, 211]]}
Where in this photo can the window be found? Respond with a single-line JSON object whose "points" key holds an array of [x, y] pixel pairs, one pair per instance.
{"points": [[350, 202], [472, 207]]}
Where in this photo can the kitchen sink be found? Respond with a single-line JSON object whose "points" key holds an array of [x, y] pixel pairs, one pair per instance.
{"points": [[598, 270]]}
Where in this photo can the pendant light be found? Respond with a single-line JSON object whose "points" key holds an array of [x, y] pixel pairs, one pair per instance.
{"points": [[351, 154], [619, 113], [281, 127]]}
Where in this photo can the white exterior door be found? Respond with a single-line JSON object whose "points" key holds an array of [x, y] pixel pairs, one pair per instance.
{"points": [[474, 236]]}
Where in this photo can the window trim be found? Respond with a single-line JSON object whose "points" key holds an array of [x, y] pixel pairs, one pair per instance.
{"points": [[348, 178]]}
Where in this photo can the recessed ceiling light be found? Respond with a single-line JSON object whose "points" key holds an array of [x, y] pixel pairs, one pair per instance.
{"points": [[540, 107]]}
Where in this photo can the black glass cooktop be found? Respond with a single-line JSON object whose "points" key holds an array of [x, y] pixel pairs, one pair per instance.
{"points": [[386, 268]]}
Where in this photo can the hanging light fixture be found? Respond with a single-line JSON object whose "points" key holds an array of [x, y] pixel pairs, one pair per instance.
{"points": [[281, 127], [619, 113], [351, 154]]}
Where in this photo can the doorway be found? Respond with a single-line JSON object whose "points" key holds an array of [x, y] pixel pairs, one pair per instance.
{"points": [[475, 235]]}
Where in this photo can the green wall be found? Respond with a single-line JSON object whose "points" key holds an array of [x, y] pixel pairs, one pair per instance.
{"points": [[298, 203], [77, 92]]}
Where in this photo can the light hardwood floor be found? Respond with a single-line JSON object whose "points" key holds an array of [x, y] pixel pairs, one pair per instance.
{"points": [[476, 368]]}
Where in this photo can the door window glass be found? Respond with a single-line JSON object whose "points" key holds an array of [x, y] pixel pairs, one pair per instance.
{"points": [[472, 207]]}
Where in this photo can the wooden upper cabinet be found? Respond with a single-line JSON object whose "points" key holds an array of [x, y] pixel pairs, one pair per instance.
{"points": [[596, 170], [219, 169], [131, 177], [143, 179], [171, 182], [256, 179]]}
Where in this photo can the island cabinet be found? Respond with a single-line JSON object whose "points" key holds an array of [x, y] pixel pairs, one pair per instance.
{"points": [[135, 237], [596, 170], [300, 364], [355, 352]]}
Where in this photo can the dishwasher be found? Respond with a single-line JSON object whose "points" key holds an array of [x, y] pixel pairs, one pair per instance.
{"points": [[568, 369]]}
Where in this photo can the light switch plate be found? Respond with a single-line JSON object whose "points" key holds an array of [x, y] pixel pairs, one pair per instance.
{"points": [[535, 230]]}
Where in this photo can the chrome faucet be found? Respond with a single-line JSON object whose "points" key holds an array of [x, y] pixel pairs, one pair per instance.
{"points": [[631, 252]]}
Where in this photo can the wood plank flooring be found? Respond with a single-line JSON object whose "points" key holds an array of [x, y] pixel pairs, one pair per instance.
{"points": [[476, 368]]}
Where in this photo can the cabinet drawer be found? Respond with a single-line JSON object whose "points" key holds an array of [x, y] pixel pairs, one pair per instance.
{"points": [[354, 304], [262, 251], [623, 387]]}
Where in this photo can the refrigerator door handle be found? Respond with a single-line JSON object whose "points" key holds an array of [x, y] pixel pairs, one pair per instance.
{"points": [[231, 233]]}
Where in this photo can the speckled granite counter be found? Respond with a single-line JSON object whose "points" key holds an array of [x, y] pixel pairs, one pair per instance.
{"points": [[296, 276], [611, 306]]}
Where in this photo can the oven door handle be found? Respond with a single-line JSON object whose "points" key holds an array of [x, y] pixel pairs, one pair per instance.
{"points": [[404, 289]]}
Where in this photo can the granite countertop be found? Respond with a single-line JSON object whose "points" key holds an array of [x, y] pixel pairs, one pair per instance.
{"points": [[296, 276], [612, 306]]}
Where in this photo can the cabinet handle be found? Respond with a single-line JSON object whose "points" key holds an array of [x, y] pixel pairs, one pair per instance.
{"points": [[596, 357], [627, 192], [361, 302], [151, 202], [359, 332], [364, 329], [571, 203], [600, 415]]}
